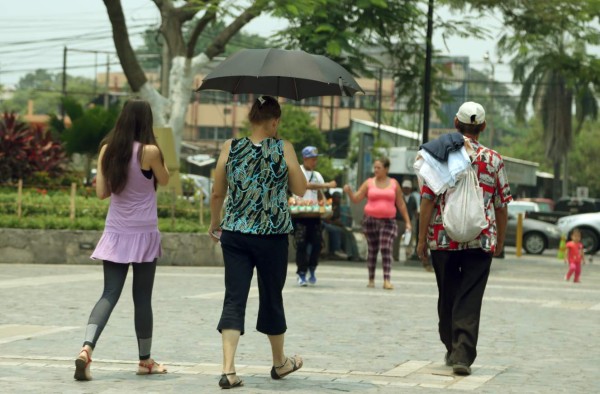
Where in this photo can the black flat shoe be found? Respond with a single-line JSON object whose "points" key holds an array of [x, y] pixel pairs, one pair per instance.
{"points": [[225, 384], [296, 365], [461, 369]]}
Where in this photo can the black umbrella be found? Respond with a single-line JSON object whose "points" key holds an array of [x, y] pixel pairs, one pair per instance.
{"points": [[278, 72]]}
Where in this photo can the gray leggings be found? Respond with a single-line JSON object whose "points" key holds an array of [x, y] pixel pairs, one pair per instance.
{"points": [[114, 279]]}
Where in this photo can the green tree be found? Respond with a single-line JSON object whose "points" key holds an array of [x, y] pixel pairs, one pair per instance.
{"points": [[150, 53], [344, 30], [527, 143], [500, 105], [170, 109], [368, 35], [88, 128], [581, 170], [45, 90], [546, 41]]}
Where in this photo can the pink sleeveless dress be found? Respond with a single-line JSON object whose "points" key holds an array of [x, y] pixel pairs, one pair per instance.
{"points": [[131, 231]]}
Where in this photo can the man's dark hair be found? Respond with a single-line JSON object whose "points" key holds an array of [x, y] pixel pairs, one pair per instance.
{"points": [[473, 129]]}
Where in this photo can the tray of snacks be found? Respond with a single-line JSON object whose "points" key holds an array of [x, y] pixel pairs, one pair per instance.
{"points": [[300, 208]]}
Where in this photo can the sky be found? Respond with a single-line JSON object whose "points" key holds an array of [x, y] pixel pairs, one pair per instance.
{"points": [[33, 34]]}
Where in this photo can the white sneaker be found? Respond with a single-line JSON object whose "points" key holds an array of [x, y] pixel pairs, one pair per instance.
{"points": [[340, 255], [302, 281]]}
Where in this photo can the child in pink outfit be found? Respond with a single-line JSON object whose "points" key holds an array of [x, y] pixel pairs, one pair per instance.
{"points": [[574, 255]]}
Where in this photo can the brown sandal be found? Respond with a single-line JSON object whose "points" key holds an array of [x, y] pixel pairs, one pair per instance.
{"points": [[150, 367], [81, 365]]}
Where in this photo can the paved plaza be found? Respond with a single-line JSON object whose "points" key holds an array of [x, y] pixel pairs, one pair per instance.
{"points": [[539, 334]]}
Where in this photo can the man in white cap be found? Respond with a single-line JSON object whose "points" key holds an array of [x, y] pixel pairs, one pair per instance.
{"points": [[307, 231], [411, 207], [462, 268]]}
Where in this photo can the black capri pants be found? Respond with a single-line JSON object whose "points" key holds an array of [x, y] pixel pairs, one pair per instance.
{"points": [[269, 254]]}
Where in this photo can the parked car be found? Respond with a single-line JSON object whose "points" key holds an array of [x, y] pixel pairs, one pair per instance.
{"points": [[575, 205], [537, 235], [544, 204], [568, 206], [588, 224], [518, 206]]}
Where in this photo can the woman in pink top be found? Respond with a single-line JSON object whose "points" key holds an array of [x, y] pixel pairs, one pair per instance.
{"points": [[383, 196], [130, 165]]}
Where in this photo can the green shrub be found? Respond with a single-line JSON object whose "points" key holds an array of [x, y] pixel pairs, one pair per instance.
{"points": [[50, 223], [86, 223], [50, 209]]}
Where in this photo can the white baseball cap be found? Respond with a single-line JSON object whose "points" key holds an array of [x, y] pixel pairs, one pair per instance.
{"points": [[407, 183], [471, 113]]}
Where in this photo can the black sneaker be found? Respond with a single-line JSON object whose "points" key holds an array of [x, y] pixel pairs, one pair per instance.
{"points": [[461, 369]]}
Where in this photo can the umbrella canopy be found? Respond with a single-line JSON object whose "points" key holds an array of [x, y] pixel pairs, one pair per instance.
{"points": [[278, 72]]}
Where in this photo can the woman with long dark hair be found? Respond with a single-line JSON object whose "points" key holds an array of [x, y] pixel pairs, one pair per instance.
{"points": [[130, 165], [255, 173]]}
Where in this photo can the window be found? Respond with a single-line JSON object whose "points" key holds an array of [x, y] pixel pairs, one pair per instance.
{"points": [[214, 133], [307, 102], [214, 97], [348, 102], [311, 101], [368, 102], [244, 98]]}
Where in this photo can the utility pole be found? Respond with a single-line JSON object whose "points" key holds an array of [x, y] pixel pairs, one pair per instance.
{"points": [[427, 81], [107, 81], [330, 134], [64, 83], [379, 99], [95, 73], [489, 118]]}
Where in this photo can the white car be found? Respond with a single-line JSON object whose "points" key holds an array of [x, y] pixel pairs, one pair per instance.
{"points": [[588, 224], [537, 235], [516, 207]]}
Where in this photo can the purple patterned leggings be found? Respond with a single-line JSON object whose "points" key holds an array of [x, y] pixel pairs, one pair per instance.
{"points": [[380, 234]]}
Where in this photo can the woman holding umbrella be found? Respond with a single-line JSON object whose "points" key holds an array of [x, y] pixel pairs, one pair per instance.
{"points": [[255, 174]]}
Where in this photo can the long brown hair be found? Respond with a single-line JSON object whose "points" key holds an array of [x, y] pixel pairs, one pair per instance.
{"points": [[134, 124]]}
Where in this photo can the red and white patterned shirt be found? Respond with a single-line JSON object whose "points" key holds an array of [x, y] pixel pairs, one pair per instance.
{"points": [[496, 194]]}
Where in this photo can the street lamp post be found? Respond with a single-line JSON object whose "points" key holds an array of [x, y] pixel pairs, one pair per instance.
{"points": [[490, 111]]}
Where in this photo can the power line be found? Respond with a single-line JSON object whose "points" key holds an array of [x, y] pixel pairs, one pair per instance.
{"points": [[78, 66], [43, 47], [88, 36]]}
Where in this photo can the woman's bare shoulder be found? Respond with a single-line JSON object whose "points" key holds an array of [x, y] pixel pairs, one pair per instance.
{"points": [[151, 150]]}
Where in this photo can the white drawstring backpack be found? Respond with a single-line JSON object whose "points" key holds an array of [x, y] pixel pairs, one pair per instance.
{"points": [[463, 212]]}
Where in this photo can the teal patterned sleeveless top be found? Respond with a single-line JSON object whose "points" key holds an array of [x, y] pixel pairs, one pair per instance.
{"points": [[257, 179]]}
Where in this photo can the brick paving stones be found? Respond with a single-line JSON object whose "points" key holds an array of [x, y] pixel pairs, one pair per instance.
{"points": [[539, 334]]}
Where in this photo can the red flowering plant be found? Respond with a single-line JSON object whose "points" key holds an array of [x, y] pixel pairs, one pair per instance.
{"points": [[26, 149]]}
